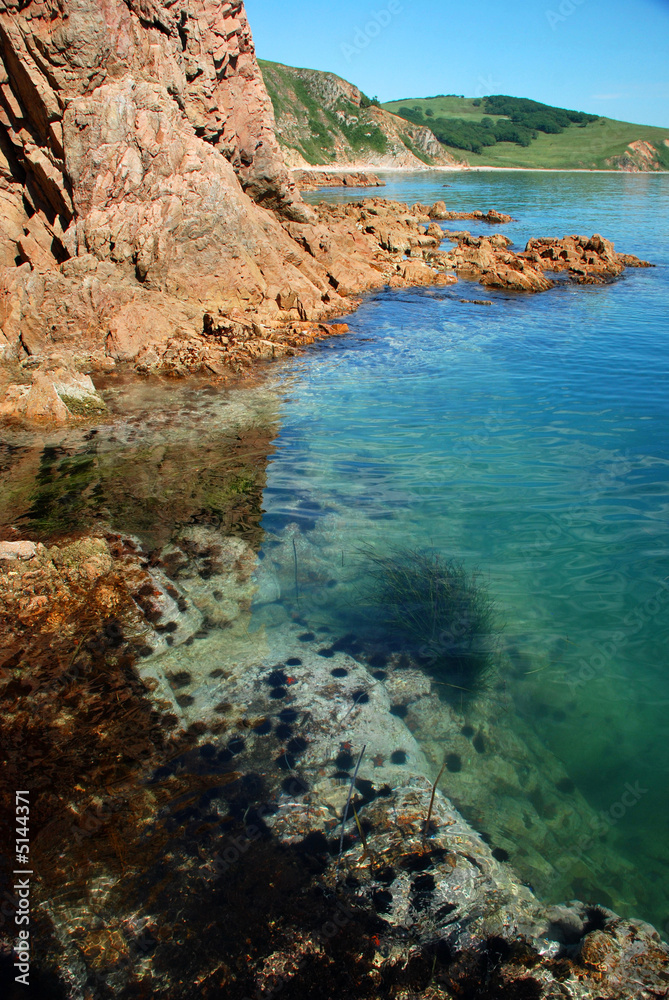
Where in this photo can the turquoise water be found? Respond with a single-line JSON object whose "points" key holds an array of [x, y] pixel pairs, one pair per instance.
{"points": [[527, 438]]}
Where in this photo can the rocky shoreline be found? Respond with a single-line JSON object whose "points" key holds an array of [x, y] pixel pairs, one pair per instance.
{"points": [[149, 218], [191, 784], [311, 180], [386, 243]]}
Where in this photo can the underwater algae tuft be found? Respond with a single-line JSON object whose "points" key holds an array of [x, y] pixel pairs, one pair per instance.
{"points": [[437, 611]]}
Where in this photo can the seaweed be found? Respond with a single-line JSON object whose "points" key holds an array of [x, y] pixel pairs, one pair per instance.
{"points": [[437, 612]]}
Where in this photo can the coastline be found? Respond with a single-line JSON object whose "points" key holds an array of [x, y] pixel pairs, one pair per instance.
{"points": [[190, 826], [371, 168]]}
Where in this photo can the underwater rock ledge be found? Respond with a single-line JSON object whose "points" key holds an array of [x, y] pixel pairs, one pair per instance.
{"points": [[210, 848]]}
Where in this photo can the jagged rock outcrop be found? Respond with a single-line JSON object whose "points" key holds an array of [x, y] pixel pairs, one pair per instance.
{"points": [[588, 260], [140, 180], [639, 156], [488, 260], [310, 180]]}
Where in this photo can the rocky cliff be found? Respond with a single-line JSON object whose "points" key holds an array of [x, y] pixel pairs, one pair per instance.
{"points": [[141, 184]]}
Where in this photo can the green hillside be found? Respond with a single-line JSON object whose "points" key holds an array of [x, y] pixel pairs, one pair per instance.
{"points": [[530, 134], [322, 119]]}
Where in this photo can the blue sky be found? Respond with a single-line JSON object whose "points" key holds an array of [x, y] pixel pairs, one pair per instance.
{"points": [[609, 57]]}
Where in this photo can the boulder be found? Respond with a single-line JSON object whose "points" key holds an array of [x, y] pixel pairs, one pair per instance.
{"points": [[496, 267], [55, 397], [590, 260], [438, 210]]}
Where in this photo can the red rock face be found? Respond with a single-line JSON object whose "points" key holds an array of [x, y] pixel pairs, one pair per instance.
{"points": [[199, 54], [136, 134], [142, 188]]}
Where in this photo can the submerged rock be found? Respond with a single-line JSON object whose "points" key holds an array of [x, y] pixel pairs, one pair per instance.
{"points": [[289, 792], [53, 398]]}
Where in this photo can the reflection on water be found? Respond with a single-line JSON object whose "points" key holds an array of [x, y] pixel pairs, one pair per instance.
{"points": [[174, 456]]}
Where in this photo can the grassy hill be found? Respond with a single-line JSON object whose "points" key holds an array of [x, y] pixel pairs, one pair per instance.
{"points": [[586, 143], [323, 119]]}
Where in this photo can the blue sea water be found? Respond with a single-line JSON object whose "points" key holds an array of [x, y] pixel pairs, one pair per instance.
{"points": [[528, 438]]}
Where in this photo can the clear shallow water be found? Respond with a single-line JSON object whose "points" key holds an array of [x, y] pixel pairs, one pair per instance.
{"points": [[526, 438], [529, 439]]}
